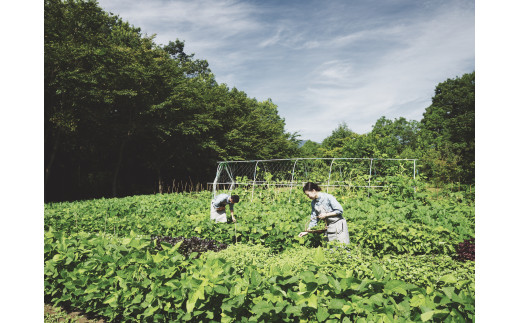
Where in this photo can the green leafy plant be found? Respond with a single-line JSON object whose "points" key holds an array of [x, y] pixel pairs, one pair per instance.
{"points": [[100, 256]]}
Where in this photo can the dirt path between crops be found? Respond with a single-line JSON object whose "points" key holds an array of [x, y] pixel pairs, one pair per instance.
{"points": [[71, 316]]}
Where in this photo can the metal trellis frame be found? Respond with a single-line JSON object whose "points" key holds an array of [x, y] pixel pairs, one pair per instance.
{"points": [[285, 173]]}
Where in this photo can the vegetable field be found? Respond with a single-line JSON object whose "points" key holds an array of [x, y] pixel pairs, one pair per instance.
{"points": [[159, 258]]}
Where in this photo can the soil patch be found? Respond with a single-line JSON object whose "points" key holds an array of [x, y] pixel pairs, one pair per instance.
{"points": [[58, 314]]}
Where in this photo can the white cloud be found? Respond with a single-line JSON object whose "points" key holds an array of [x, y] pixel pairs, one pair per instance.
{"points": [[400, 80], [198, 20], [272, 40], [322, 63]]}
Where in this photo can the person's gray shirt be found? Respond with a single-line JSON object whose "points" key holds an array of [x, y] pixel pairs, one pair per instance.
{"points": [[325, 203], [222, 200]]}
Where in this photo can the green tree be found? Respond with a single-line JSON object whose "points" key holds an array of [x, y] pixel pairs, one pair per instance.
{"points": [[254, 130], [448, 129], [310, 149], [192, 67], [103, 75], [123, 114], [335, 140], [392, 138], [72, 29], [344, 142]]}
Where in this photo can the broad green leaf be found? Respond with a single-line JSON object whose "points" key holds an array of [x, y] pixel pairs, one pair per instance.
{"points": [[319, 256], [427, 316], [293, 309], [58, 257], [91, 289], [262, 307], [158, 258], [346, 320], [279, 306], [291, 280], [336, 303], [449, 291], [397, 287], [255, 278], [377, 299], [449, 278], [378, 271], [221, 289], [322, 314], [457, 315], [190, 303], [308, 277], [417, 300], [312, 301], [192, 299], [112, 300], [199, 293], [322, 279], [150, 310]]}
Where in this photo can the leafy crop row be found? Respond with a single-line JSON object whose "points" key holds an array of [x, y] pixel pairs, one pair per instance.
{"points": [[422, 270], [128, 279], [398, 238], [162, 212], [376, 223], [146, 258]]}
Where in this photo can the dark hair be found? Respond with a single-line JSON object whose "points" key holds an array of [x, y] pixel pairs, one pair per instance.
{"points": [[235, 198], [311, 186]]}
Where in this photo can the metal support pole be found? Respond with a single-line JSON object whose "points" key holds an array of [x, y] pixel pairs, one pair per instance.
{"points": [[219, 169], [230, 176], [292, 178], [265, 172], [370, 175], [330, 171], [414, 187], [254, 180], [370, 172]]}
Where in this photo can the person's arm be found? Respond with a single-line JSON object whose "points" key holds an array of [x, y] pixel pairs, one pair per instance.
{"points": [[232, 212], [313, 222], [314, 218]]}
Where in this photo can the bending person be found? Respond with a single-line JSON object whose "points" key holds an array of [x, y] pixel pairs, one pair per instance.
{"points": [[325, 207], [218, 207]]}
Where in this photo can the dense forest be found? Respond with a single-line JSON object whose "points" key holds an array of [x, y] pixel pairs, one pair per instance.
{"points": [[125, 116]]}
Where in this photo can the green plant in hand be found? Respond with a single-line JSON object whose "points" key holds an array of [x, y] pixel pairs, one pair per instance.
{"points": [[320, 226]]}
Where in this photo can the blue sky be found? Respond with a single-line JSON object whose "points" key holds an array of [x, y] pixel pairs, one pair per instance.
{"points": [[321, 62]]}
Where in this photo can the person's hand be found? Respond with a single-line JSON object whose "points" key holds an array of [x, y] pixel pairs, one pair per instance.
{"points": [[303, 234], [233, 218], [322, 216]]}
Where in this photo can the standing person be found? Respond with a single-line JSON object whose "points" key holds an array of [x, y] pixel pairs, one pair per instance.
{"points": [[218, 207], [325, 207]]}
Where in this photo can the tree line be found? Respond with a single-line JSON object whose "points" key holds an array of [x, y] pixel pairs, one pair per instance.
{"points": [[443, 140], [126, 116]]}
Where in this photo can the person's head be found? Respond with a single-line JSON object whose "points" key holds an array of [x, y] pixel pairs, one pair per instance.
{"points": [[235, 198], [311, 190]]}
